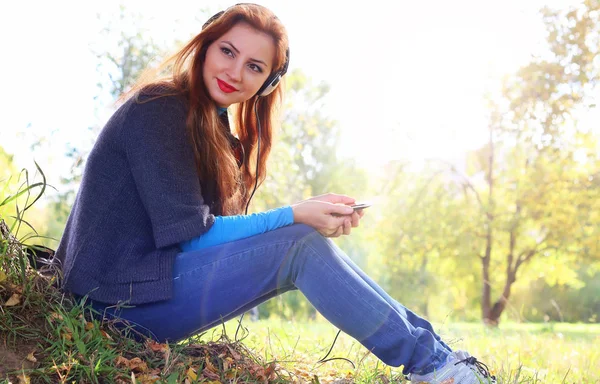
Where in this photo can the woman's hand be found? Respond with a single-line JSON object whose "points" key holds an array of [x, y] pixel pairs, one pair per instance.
{"points": [[334, 198], [329, 214]]}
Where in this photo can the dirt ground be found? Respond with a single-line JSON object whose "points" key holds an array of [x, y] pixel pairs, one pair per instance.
{"points": [[11, 360]]}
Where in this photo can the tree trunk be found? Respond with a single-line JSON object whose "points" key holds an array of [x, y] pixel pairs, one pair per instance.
{"points": [[485, 272], [495, 312], [489, 217]]}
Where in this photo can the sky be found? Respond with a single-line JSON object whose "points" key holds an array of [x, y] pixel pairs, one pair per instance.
{"points": [[407, 78]]}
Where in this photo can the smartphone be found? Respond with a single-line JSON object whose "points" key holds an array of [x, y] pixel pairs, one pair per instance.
{"points": [[359, 206]]}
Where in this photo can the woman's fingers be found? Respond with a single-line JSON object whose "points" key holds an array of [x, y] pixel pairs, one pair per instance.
{"points": [[355, 219], [347, 226], [335, 198], [343, 210], [338, 232]]}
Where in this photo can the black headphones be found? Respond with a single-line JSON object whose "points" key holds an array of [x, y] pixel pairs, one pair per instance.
{"points": [[273, 80]]}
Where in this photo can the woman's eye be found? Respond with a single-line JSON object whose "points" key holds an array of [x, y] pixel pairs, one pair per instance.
{"points": [[255, 68], [227, 51]]}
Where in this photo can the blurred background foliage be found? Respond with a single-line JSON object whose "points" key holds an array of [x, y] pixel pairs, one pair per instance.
{"points": [[513, 232]]}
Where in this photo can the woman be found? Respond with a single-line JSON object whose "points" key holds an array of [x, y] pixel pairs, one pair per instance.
{"points": [[157, 236]]}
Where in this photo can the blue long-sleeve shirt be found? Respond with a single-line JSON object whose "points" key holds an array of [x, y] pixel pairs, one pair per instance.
{"points": [[230, 228]]}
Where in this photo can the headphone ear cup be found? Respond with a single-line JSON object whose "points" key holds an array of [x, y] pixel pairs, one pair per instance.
{"points": [[269, 85], [212, 18]]}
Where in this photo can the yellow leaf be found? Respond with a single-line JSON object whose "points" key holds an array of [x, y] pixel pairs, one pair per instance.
{"points": [[31, 358], [2, 276], [148, 379], [191, 374], [15, 299], [24, 379], [227, 362], [89, 326]]}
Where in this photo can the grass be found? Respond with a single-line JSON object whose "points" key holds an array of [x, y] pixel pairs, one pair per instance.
{"points": [[517, 353]]}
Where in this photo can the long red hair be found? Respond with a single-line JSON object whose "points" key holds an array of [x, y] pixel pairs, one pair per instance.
{"points": [[214, 158]]}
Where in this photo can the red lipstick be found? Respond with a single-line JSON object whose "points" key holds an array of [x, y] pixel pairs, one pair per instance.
{"points": [[225, 87]]}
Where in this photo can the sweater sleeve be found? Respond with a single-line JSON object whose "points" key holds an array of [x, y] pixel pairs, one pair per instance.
{"points": [[162, 164], [231, 228]]}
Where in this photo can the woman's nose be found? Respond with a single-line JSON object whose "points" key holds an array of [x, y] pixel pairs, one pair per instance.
{"points": [[235, 72]]}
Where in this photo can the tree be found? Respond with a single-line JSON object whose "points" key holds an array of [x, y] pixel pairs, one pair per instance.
{"points": [[540, 190], [526, 200]]}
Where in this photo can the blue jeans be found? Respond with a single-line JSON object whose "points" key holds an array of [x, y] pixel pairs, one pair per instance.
{"points": [[218, 283]]}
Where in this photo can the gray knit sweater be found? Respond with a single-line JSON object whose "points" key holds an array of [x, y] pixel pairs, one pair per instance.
{"points": [[139, 198]]}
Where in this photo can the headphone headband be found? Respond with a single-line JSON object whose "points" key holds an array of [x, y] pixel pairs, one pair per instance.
{"points": [[274, 78]]}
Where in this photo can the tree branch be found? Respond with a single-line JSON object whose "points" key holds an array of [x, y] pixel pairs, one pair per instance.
{"points": [[467, 183]]}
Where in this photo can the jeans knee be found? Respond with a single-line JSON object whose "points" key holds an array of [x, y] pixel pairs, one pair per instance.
{"points": [[305, 235], [301, 232]]}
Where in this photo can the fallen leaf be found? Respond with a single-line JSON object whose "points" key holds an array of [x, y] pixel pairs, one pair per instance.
{"points": [[191, 374], [89, 326], [235, 355], [210, 366], [136, 364], [15, 299], [147, 379], [24, 379], [2, 276], [15, 288], [31, 358], [106, 335], [156, 347], [210, 374], [121, 361], [133, 378], [227, 362]]}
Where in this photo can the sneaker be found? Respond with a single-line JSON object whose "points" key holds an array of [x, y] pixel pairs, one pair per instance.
{"points": [[460, 368]]}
